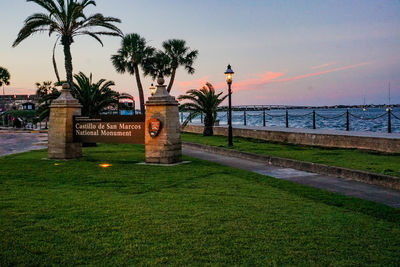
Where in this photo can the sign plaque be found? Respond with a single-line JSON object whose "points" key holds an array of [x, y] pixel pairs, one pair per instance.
{"points": [[154, 127], [109, 129]]}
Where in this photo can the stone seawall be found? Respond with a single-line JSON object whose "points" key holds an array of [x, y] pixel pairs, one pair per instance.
{"points": [[382, 142]]}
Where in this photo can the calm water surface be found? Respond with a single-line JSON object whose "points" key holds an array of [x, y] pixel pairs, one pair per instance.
{"points": [[373, 119]]}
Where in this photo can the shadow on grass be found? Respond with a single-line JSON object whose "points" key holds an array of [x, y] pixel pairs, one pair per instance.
{"points": [[370, 208]]}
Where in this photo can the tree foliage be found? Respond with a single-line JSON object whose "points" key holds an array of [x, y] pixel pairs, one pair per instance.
{"points": [[46, 93], [179, 55], [93, 96], [66, 19], [157, 66], [205, 101], [43, 89], [134, 53], [4, 76]]}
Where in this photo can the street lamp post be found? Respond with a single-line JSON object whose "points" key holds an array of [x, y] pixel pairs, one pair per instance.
{"points": [[229, 74]]}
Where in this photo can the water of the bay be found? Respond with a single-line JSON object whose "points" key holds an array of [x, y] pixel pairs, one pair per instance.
{"points": [[372, 119]]}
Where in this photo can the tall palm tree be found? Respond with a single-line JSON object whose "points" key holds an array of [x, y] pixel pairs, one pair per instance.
{"points": [[179, 55], [203, 101], [93, 96], [66, 19], [133, 53], [4, 77]]}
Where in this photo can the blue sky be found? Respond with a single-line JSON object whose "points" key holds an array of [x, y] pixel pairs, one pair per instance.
{"points": [[283, 52]]}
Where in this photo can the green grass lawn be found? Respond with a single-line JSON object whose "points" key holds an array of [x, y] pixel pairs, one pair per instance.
{"points": [[77, 213], [376, 162]]}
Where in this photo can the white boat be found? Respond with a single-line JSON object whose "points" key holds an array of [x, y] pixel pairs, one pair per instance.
{"points": [[388, 106], [364, 108]]}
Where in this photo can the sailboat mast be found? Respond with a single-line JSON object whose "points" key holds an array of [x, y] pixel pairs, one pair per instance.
{"points": [[389, 94]]}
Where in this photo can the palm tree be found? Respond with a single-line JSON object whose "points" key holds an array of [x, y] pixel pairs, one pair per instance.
{"points": [[43, 89], [203, 101], [4, 77], [67, 20], [4, 80], [46, 93], [133, 53], [94, 97], [179, 55]]}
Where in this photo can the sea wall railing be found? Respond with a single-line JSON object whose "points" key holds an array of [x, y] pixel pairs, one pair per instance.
{"points": [[389, 114]]}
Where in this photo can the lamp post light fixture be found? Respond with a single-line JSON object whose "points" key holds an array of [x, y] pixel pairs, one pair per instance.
{"points": [[152, 89], [229, 75]]}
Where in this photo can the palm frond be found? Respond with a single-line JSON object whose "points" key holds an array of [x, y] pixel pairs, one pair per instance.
{"points": [[93, 96]]}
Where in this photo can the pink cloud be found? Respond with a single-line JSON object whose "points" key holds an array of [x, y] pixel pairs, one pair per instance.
{"points": [[259, 79], [321, 72], [271, 77], [183, 86], [323, 65]]}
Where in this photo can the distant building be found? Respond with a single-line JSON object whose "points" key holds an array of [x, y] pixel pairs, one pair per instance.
{"points": [[8, 102], [28, 106], [126, 104]]}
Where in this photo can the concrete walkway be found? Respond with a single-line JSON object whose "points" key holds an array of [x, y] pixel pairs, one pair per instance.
{"points": [[343, 186], [12, 141]]}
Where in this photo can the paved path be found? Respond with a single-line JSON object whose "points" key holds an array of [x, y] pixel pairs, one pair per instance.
{"points": [[12, 142], [338, 185]]}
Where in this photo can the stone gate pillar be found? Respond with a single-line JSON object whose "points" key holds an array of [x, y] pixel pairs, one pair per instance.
{"points": [[60, 138], [162, 134]]}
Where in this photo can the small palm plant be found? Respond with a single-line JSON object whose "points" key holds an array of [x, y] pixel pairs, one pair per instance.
{"points": [[205, 101], [94, 97]]}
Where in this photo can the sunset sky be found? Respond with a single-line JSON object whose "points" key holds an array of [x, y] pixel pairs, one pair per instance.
{"points": [[324, 52]]}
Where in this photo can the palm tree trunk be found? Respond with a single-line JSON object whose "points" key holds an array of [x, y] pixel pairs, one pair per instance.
{"points": [[68, 63], [208, 125], [140, 89], [54, 62], [171, 81]]}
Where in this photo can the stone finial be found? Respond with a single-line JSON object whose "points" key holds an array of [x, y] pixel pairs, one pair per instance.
{"points": [[65, 86], [65, 99], [160, 80], [161, 95]]}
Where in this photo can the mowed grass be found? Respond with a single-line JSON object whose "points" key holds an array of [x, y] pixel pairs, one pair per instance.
{"points": [[370, 161], [77, 213]]}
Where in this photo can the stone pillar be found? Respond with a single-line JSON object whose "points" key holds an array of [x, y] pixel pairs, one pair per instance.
{"points": [[62, 110], [163, 146]]}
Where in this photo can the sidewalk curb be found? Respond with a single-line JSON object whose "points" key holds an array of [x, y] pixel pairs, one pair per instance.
{"points": [[361, 176], [13, 130]]}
